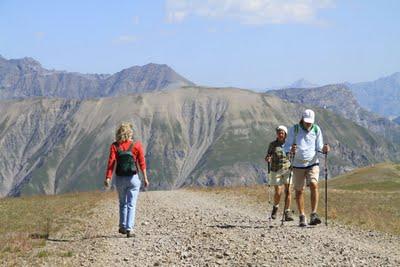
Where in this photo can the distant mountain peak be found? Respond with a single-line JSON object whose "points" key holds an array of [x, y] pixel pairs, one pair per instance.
{"points": [[302, 83], [53, 83], [395, 76], [381, 96], [27, 61]]}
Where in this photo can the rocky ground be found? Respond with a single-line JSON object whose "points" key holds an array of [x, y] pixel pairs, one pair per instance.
{"points": [[197, 228]]}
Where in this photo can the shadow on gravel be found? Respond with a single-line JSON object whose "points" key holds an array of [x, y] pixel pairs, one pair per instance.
{"points": [[86, 238], [305, 227], [228, 226]]}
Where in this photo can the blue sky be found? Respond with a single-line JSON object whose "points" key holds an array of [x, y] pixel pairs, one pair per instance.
{"points": [[243, 43]]}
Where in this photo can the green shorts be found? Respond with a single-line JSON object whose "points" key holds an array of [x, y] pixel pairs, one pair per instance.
{"points": [[280, 177]]}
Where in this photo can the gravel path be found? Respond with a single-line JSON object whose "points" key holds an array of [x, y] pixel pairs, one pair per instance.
{"points": [[192, 228]]}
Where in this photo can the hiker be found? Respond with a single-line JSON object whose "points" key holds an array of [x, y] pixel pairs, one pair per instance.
{"points": [[129, 156], [304, 141], [280, 172]]}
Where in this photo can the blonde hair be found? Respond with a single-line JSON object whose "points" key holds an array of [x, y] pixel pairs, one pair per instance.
{"points": [[124, 132]]}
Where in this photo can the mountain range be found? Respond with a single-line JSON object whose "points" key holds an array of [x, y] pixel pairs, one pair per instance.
{"points": [[192, 136], [339, 99], [381, 96], [56, 128], [23, 78]]}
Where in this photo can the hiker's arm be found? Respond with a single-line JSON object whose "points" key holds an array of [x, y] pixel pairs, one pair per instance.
{"points": [[289, 140], [142, 163], [110, 167], [111, 162], [145, 180], [319, 141], [326, 149], [269, 153]]}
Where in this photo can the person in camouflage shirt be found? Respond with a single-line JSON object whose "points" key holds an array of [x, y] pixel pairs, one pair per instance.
{"points": [[280, 171]]}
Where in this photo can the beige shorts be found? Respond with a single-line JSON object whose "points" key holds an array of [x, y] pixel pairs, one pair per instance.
{"points": [[280, 177], [303, 176]]}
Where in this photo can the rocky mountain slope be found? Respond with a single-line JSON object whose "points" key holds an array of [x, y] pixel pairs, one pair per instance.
{"points": [[200, 136], [381, 96], [339, 99], [22, 78]]}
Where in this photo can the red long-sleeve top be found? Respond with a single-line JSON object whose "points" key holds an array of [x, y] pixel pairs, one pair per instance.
{"points": [[137, 151]]}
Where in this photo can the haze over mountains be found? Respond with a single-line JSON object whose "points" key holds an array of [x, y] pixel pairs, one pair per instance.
{"points": [[54, 136], [302, 83], [381, 96]]}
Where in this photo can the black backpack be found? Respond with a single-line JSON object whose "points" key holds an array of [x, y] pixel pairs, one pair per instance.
{"points": [[126, 165]]}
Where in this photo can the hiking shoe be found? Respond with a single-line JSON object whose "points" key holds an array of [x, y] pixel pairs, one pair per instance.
{"points": [[302, 222], [288, 216], [274, 212], [314, 219], [129, 234], [122, 230]]}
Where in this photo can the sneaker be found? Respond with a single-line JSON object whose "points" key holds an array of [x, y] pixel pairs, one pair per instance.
{"points": [[288, 216], [314, 219], [122, 230], [129, 234], [302, 222], [274, 212]]}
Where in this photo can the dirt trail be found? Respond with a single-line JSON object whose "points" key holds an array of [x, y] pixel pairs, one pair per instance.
{"points": [[187, 228]]}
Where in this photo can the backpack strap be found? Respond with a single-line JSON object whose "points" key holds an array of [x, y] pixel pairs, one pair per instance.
{"points": [[117, 146], [315, 128]]}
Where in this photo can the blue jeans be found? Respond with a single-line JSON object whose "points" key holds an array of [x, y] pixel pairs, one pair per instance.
{"points": [[128, 191]]}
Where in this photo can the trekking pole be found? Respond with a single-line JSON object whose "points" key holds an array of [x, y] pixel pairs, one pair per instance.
{"points": [[269, 182], [287, 190], [326, 188], [269, 193]]}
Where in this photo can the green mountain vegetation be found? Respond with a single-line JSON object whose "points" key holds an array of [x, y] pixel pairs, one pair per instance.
{"points": [[380, 177]]}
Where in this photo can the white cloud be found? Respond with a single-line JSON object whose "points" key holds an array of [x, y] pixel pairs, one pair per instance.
{"points": [[125, 39], [248, 11]]}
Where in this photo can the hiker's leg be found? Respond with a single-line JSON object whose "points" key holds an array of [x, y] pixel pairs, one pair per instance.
{"points": [[314, 196], [299, 182], [122, 189], [275, 182], [300, 201], [278, 193], [313, 175], [288, 196], [132, 196]]}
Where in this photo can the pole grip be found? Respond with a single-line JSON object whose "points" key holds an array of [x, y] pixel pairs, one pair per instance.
{"points": [[326, 190]]}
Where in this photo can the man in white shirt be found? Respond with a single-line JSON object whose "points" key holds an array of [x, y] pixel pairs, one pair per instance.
{"points": [[304, 141]]}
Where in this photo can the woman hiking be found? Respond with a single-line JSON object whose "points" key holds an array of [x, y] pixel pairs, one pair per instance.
{"points": [[280, 172], [129, 156]]}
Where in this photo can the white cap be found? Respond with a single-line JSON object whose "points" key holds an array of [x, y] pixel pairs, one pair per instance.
{"points": [[281, 128], [308, 116]]}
